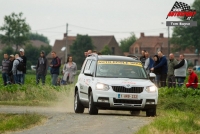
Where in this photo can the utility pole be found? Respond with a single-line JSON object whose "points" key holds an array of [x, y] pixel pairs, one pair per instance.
{"points": [[168, 41], [65, 56]]}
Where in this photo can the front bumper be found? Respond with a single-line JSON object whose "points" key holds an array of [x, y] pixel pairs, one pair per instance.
{"points": [[110, 100]]}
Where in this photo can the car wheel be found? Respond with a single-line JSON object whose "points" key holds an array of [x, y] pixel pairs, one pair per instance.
{"points": [[92, 109], [78, 107], [135, 112], [151, 112]]}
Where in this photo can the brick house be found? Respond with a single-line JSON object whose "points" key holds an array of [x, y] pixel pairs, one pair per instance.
{"points": [[154, 43], [98, 41]]}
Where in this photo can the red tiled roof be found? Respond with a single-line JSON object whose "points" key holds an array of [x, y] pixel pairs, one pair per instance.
{"points": [[98, 41]]}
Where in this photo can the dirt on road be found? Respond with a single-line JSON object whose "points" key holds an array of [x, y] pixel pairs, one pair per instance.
{"points": [[62, 120]]}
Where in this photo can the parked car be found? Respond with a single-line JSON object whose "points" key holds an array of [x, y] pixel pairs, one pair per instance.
{"points": [[33, 67], [197, 68], [114, 83]]}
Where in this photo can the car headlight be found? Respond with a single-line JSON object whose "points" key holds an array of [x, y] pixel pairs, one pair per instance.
{"points": [[151, 89], [101, 86]]}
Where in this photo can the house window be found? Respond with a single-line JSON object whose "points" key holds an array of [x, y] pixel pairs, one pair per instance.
{"points": [[113, 50], [136, 50]]}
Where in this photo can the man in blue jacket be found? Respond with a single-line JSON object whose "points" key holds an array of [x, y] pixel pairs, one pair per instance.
{"points": [[55, 67], [164, 68]]}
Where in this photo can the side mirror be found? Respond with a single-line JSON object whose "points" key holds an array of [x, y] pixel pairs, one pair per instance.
{"points": [[152, 75], [88, 72]]}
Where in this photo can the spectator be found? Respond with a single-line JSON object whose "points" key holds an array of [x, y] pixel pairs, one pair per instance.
{"points": [[41, 68], [148, 62], [95, 51], [163, 65], [21, 51], [69, 71], [192, 80], [142, 58], [157, 71], [12, 58], [180, 70], [170, 74], [87, 53], [16, 73], [5, 67], [55, 67]]}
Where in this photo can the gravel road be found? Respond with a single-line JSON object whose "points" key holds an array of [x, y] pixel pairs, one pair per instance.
{"points": [[62, 120]]}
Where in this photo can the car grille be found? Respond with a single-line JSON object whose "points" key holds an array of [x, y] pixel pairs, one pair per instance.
{"points": [[127, 101], [122, 89]]}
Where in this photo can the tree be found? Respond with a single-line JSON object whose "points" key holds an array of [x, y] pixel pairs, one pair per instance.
{"points": [[16, 30], [81, 44], [32, 53], [106, 50], [41, 37], [46, 49], [188, 37], [127, 42]]}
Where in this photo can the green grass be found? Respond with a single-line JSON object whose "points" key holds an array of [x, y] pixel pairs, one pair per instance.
{"points": [[13, 122], [177, 112], [31, 94]]}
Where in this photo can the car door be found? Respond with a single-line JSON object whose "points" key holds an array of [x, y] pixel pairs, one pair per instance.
{"points": [[81, 79], [89, 79], [83, 91]]}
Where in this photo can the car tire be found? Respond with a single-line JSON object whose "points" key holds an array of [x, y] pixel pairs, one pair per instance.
{"points": [[92, 109], [78, 107], [135, 112], [151, 112]]}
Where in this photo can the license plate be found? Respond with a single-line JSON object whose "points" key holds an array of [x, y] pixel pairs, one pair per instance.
{"points": [[127, 96]]}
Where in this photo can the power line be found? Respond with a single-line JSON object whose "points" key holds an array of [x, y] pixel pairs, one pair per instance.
{"points": [[49, 28], [111, 31], [152, 30]]}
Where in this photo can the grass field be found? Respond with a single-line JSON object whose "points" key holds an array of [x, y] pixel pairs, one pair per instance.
{"points": [[32, 94], [13, 122], [177, 111]]}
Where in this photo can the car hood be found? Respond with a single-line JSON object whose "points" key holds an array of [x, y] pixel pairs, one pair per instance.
{"points": [[125, 81]]}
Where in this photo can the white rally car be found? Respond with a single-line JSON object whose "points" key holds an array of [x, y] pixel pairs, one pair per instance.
{"points": [[114, 83]]}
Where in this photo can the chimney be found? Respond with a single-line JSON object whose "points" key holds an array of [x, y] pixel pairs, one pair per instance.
{"points": [[141, 34], [161, 35], [64, 35]]}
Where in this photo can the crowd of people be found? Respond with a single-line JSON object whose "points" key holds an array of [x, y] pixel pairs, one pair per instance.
{"points": [[169, 72], [14, 68]]}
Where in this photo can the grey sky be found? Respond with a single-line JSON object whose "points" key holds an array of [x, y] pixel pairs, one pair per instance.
{"points": [[92, 17]]}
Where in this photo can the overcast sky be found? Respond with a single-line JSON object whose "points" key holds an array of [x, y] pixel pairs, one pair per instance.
{"points": [[92, 17]]}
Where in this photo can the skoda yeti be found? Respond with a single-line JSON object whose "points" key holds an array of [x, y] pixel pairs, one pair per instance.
{"points": [[114, 83]]}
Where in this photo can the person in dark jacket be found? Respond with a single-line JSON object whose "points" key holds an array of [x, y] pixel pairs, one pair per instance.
{"points": [[22, 55], [41, 68], [5, 65], [163, 65], [148, 62], [12, 58], [143, 58], [55, 68], [157, 71]]}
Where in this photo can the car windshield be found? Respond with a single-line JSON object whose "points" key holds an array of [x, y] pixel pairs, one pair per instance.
{"points": [[120, 69]]}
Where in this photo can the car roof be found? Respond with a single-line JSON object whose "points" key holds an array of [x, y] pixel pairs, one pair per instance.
{"points": [[113, 57]]}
